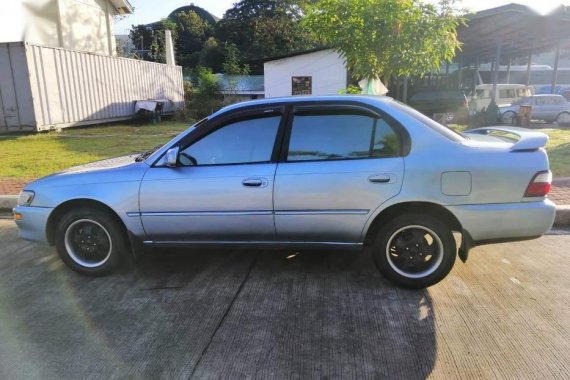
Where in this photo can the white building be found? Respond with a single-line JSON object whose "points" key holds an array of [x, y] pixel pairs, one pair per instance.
{"points": [[314, 72], [82, 25]]}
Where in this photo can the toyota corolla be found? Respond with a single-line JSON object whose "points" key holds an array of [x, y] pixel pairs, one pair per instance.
{"points": [[348, 172]]}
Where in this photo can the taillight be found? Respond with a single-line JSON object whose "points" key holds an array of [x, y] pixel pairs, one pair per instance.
{"points": [[540, 184]]}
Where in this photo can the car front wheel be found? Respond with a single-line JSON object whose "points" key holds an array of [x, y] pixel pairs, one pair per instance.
{"points": [[414, 250], [89, 241]]}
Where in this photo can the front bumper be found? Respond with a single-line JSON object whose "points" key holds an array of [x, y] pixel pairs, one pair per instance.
{"points": [[33, 224], [505, 220]]}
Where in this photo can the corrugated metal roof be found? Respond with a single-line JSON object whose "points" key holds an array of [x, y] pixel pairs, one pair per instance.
{"points": [[242, 84], [123, 6], [519, 28]]}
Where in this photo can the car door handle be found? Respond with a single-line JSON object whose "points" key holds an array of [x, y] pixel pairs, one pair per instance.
{"points": [[254, 182], [380, 178]]}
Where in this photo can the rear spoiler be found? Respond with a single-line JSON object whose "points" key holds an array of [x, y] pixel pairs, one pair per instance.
{"points": [[528, 139]]}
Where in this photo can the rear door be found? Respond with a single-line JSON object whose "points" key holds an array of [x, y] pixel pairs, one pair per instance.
{"points": [[338, 164], [539, 108]]}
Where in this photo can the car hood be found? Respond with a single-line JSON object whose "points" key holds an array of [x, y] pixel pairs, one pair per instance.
{"points": [[118, 169], [110, 163]]}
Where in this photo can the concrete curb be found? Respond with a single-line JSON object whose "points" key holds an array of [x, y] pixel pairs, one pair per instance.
{"points": [[7, 203], [562, 216], [562, 219]]}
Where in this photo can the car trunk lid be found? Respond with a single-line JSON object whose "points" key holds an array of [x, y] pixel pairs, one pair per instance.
{"points": [[519, 139]]}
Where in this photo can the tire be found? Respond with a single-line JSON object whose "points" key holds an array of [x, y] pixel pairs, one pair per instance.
{"points": [[90, 241], [429, 262], [509, 118], [563, 118]]}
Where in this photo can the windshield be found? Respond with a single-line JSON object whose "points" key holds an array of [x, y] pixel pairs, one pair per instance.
{"points": [[449, 133], [146, 154]]}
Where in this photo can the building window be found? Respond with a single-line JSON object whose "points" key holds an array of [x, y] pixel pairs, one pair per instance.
{"points": [[301, 86]]}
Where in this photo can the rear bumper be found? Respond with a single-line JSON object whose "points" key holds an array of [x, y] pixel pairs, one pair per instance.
{"points": [[33, 224], [512, 221]]}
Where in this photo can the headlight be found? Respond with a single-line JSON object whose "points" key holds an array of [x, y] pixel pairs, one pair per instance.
{"points": [[26, 197]]}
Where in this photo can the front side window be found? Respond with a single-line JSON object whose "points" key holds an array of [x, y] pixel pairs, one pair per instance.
{"points": [[241, 142], [341, 136]]}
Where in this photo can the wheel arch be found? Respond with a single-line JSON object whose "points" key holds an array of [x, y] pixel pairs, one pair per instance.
{"points": [[58, 212], [394, 210], [560, 114]]}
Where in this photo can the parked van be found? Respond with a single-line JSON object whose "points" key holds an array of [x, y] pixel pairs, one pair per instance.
{"points": [[506, 95]]}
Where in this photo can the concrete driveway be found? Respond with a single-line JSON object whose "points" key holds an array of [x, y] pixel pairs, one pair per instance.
{"points": [[255, 314]]}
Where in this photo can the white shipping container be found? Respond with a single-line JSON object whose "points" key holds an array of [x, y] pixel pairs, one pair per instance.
{"points": [[44, 88]]}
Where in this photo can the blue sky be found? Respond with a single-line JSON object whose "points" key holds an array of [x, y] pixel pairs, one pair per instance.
{"points": [[147, 11]]}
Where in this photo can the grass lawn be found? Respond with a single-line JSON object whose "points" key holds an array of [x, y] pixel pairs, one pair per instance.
{"points": [[558, 149], [29, 156], [34, 155]]}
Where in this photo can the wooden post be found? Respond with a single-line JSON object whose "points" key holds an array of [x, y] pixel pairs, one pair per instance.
{"points": [[496, 71], [475, 73], [508, 71], [555, 73], [529, 61]]}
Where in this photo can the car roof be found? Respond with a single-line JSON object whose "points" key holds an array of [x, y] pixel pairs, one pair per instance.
{"points": [[368, 99], [486, 86]]}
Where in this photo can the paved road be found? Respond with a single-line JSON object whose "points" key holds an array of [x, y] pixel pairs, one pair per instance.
{"points": [[266, 315]]}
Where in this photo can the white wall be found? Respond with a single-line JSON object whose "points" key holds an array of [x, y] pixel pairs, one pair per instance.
{"points": [[84, 25], [326, 68]]}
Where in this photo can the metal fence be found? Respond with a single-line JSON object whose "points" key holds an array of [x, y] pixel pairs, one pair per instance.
{"points": [[44, 88]]}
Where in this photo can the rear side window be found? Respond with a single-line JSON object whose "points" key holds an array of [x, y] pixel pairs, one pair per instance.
{"points": [[341, 136], [509, 93]]}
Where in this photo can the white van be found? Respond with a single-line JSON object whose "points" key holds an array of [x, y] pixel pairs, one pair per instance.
{"points": [[506, 95]]}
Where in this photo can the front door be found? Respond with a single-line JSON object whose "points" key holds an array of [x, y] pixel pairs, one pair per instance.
{"points": [[338, 167], [222, 189]]}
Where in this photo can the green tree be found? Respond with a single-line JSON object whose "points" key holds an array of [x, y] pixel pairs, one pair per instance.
{"points": [[192, 32], [265, 28], [149, 40], [212, 55], [233, 67], [233, 64], [207, 94], [381, 39]]}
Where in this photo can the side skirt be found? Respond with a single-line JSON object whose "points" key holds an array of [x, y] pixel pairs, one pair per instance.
{"points": [[257, 244]]}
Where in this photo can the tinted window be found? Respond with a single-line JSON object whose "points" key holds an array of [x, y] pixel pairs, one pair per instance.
{"points": [[340, 136], [244, 141], [449, 133], [483, 93], [509, 93], [386, 142]]}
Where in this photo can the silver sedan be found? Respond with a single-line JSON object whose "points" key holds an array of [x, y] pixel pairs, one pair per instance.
{"points": [[550, 108], [348, 172]]}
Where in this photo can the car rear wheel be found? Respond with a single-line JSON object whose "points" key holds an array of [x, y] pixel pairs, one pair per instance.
{"points": [[563, 119], [89, 241], [509, 118], [414, 250]]}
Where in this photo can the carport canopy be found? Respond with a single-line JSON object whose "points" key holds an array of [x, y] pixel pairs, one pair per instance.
{"points": [[517, 28], [513, 31]]}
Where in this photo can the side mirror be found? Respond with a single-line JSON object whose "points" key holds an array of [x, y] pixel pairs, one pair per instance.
{"points": [[172, 157]]}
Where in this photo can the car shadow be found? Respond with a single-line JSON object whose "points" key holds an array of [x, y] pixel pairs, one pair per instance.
{"points": [[227, 314]]}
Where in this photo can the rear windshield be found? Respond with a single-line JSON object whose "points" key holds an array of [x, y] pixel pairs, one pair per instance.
{"points": [[441, 129]]}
